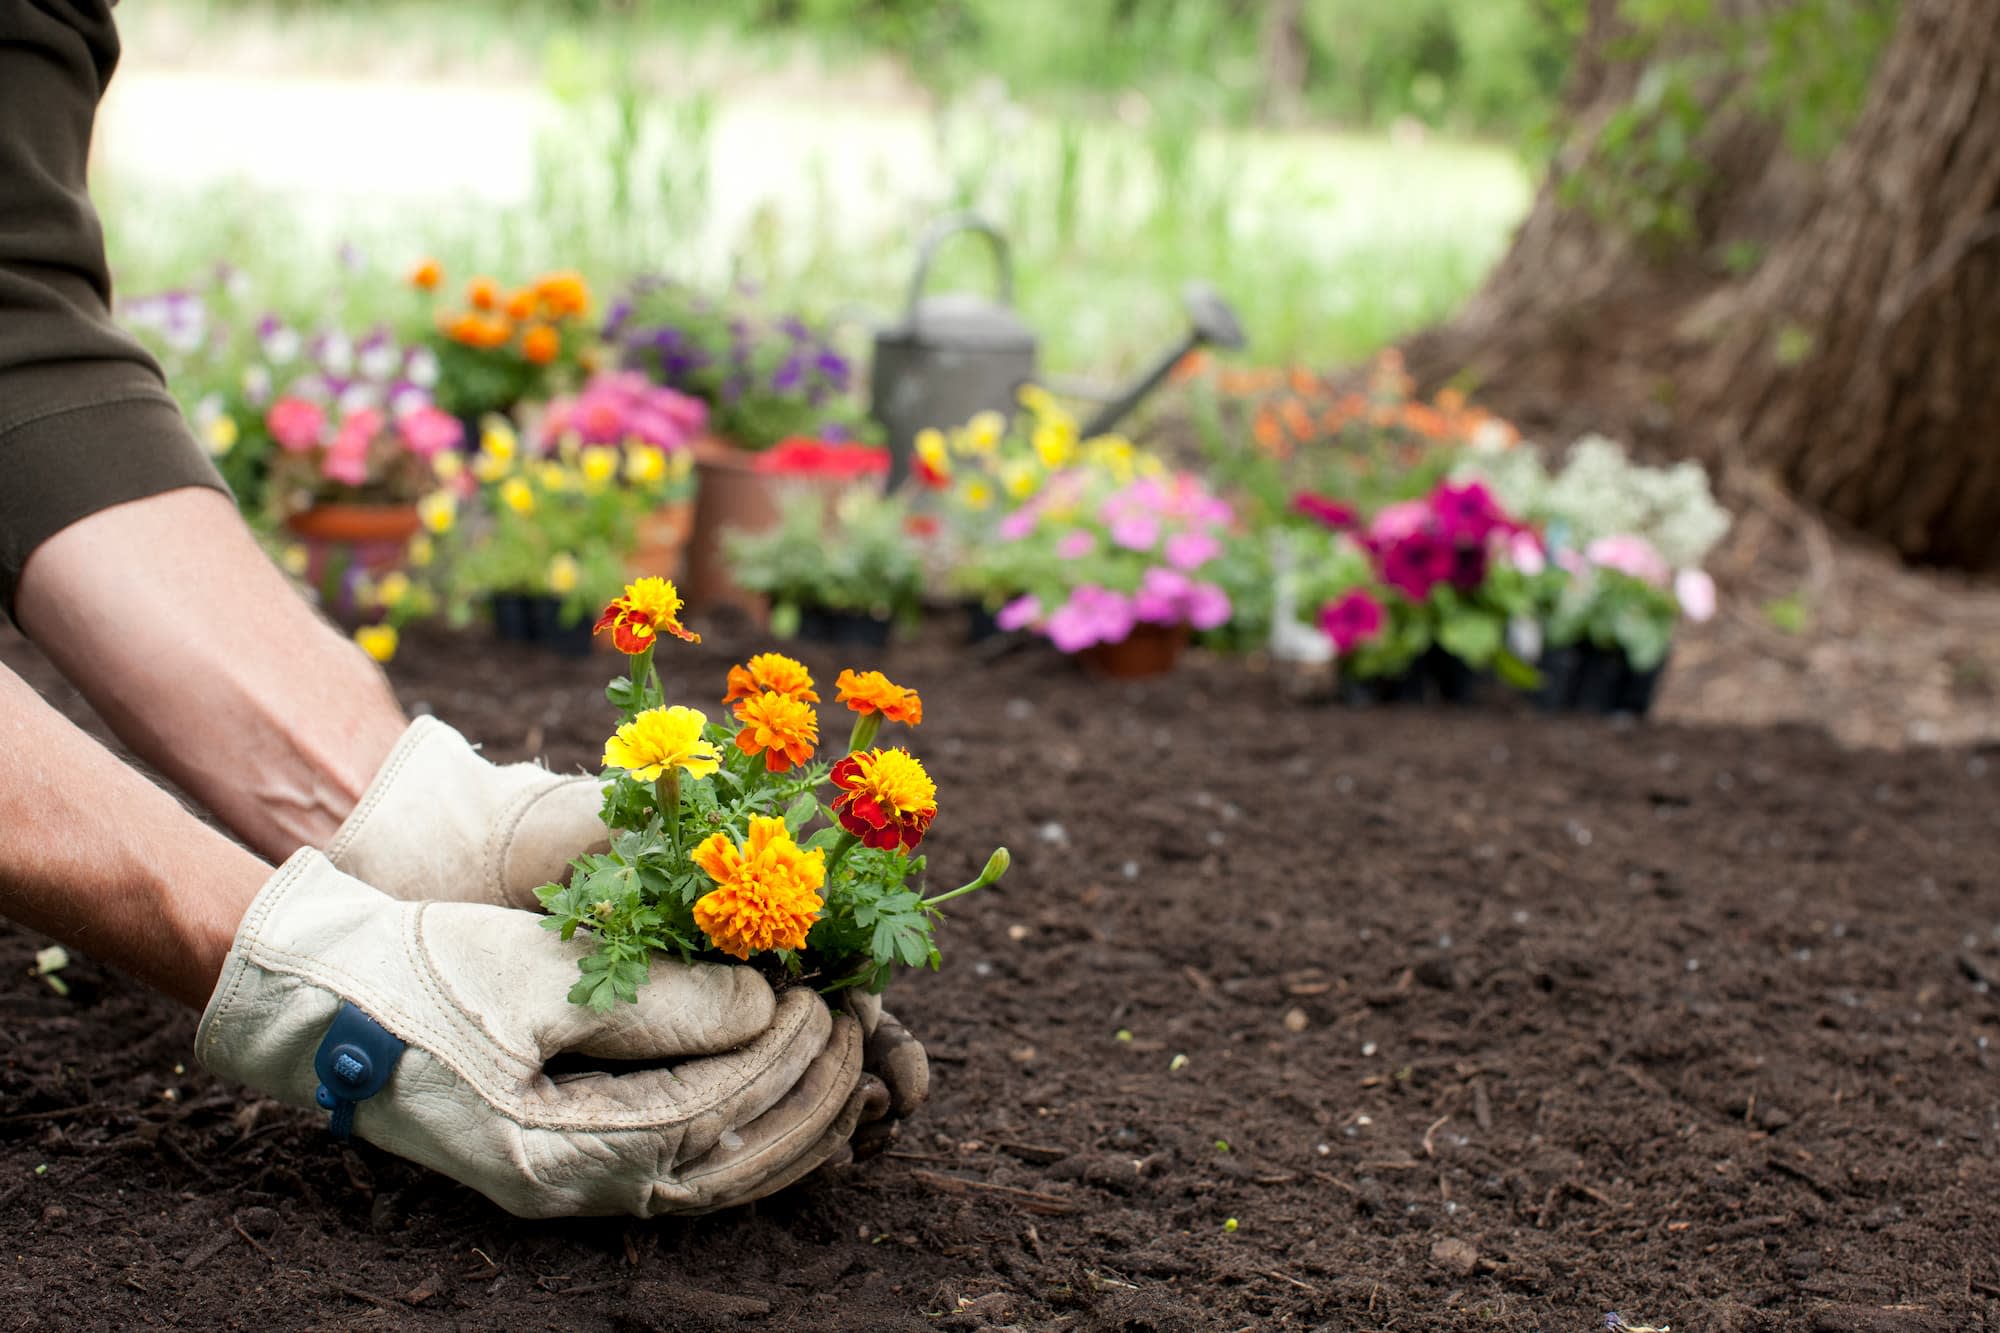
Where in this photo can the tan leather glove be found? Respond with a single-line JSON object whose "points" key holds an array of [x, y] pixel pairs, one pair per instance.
{"points": [[891, 1054], [441, 822], [758, 1090]]}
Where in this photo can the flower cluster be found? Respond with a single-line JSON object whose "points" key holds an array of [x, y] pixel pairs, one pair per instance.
{"points": [[734, 838], [501, 346], [623, 408]]}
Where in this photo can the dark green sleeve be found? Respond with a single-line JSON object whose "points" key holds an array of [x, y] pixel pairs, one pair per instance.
{"points": [[85, 418]]}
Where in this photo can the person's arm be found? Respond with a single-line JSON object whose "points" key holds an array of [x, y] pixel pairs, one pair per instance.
{"points": [[96, 856]]}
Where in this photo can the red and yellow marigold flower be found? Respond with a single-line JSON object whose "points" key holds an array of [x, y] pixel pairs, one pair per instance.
{"points": [[773, 672], [767, 892], [886, 799], [660, 739], [781, 728], [872, 692], [651, 606]]}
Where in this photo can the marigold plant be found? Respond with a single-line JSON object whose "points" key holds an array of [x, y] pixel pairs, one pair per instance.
{"points": [[737, 838]]}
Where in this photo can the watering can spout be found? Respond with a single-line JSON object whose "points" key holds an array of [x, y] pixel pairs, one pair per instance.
{"points": [[1211, 323]]}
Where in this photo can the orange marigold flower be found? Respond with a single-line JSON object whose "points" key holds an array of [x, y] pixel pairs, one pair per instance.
{"points": [[767, 892], [1264, 428], [521, 305], [1297, 420], [886, 799], [540, 344], [774, 672], [476, 330], [872, 692], [426, 276], [649, 607], [483, 294], [781, 728], [563, 294]]}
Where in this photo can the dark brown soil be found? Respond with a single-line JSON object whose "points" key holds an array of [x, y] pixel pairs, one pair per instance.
{"points": [[1488, 1021]]}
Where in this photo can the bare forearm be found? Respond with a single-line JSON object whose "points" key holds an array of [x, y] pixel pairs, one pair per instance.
{"points": [[169, 619], [100, 858]]}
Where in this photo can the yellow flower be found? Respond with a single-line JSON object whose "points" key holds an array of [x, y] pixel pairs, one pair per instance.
{"points": [[393, 590], [296, 560], [438, 510], [489, 468], [782, 728], [1151, 465], [649, 607], [222, 435], [977, 494], [422, 551], [518, 496], [497, 440], [448, 466], [1036, 399], [767, 892], [644, 465], [663, 738], [1019, 478], [931, 449], [553, 476], [563, 574], [600, 464], [983, 432], [1055, 443], [378, 641]]}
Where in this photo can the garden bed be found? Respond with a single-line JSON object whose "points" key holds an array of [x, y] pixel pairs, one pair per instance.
{"points": [[1505, 1021]]}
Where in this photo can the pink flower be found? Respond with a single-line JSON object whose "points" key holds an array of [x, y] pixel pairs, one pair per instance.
{"points": [[1136, 531], [1075, 545], [1191, 550], [1019, 613], [1627, 553], [1352, 621], [346, 459], [1324, 510], [1467, 513], [429, 432], [1418, 562], [1162, 597], [1525, 553], [295, 424], [1208, 606], [1018, 524], [1092, 615], [1396, 521], [1695, 591]]}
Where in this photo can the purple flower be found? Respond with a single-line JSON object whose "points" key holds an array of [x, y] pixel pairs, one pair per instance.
{"points": [[1466, 513], [788, 375], [1092, 615], [1191, 550], [833, 367], [835, 432], [794, 328], [1417, 563], [1019, 613], [1352, 621]]}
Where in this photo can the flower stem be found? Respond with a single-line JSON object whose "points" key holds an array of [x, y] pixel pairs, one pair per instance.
{"points": [[668, 791], [863, 735], [840, 849], [996, 866], [642, 674]]}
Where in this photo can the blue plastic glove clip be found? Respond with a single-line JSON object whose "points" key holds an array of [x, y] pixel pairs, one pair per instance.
{"points": [[354, 1062]]}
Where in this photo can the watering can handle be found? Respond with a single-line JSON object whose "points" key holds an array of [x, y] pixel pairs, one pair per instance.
{"points": [[944, 229]]}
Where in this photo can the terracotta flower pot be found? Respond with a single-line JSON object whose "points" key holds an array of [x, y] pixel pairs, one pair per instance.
{"points": [[1149, 650], [662, 542], [342, 540], [730, 495]]}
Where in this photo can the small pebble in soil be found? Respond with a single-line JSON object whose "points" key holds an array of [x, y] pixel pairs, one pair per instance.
{"points": [[1343, 784], [1520, 916], [1368, 1048], [1019, 710], [1054, 834], [1694, 964], [1017, 932], [1295, 1020], [1130, 870]]}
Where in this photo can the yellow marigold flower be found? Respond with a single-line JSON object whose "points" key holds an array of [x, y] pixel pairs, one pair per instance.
{"points": [[767, 892], [296, 560], [1020, 479], [983, 432], [222, 435], [663, 738], [378, 641], [650, 605], [872, 692], [781, 728], [422, 550], [599, 463], [977, 494], [518, 496], [448, 466], [563, 574], [774, 672], [645, 465], [1055, 443], [393, 590], [886, 798], [438, 510]]}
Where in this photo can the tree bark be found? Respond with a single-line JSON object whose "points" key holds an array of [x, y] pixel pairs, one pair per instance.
{"points": [[1859, 362]]}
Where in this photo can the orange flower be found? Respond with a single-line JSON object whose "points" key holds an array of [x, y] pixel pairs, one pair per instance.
{"points": [[781, 728], [540, 344], [1266, 431], [483, 294], [886, 799], [1305, 383], [521, 305], [872, 692], [650, 605], [426, 276], [563, 294], [767, 892], [773, 672], [1192, 366], [1297, 420], [477, 330]]}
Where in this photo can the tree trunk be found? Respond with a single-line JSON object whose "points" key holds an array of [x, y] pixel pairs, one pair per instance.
{"points": [[1859, 362], [1285, 59]]}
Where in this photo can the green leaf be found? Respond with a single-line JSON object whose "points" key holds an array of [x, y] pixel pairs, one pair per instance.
{"points": [[1472, 637], [801, 812], [1515, 672]]}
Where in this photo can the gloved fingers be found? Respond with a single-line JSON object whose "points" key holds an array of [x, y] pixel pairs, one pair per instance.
{"points": [[866, 1008], [682, 1009], [790, 1139], [831, 1155], [899, 1060], [535, 840]]}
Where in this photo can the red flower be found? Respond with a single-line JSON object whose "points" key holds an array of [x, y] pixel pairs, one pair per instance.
{"points": [[886, 799], [802, 456], [1324, 510]]}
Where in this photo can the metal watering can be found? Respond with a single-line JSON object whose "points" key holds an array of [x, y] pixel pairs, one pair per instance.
{"points": [[956, 354]]}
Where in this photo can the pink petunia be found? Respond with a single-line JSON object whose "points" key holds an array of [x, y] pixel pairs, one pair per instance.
{"points": [[1525, 553], [1020, 613], [1695, 591], [1397, 521], [1324, 510], [1628, 553], [295, 424], [1091, 616], [1162, 597], [1208, 606], [1189, 551], [1352, 621], [429, 432], [1075, 545]]}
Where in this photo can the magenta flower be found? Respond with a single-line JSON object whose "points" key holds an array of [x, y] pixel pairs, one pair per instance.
{"points": [[1417, 563], [1092, 615], [1355, 619], [1162, 597], [429, 432], [1075, 545], [1324, 510], [1397, 521], [1466, 513], [1189, 551], [1019, 613], [1018, 524], [1136, 530], [1208, 606], [295, 424]]}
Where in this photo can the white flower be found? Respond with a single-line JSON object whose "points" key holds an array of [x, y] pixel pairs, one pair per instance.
{"points": [[378, 361], [336, 354], [357, 396], [1695, 591], [257, 385], [282, 347], [422, 367]]}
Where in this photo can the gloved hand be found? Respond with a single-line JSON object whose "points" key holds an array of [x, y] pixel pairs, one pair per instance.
{"points": [[762, 1089], [891, 1054], [441, 822]]}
